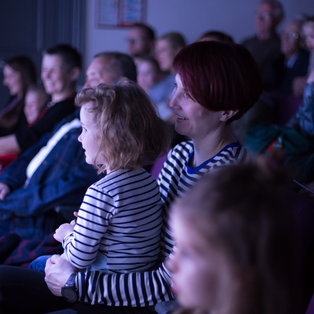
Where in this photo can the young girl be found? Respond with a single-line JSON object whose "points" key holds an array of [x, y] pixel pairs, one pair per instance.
{"points": [[35, 99], [233, 250], [118, 224]]}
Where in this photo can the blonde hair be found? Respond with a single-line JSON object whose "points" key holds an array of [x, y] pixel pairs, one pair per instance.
{"points": [[131, 134]]}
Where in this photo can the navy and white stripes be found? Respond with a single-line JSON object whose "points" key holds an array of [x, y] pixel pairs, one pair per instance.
{"points": [[120, 218], [149, 287]]}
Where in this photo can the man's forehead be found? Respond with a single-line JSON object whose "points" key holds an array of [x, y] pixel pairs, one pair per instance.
{"points": [[101, 63]]}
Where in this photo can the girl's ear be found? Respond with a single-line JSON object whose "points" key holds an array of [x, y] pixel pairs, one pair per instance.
{"points": [[227, 115]]}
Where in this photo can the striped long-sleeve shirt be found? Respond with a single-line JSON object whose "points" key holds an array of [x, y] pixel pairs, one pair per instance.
{"points": [[149, 287], [119, 222]]}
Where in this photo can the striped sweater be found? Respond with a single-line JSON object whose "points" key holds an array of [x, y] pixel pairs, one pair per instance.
{"points": [[149, 287], [119, 222]]}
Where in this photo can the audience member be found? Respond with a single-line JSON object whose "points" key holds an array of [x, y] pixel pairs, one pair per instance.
{"points": [[35, 99], [52, 172], [203, 111], [148, 72], [141, 40], [215, 35], [296, 58], [265, 44], [308, 34], [110, 67], [294, 141], [234, 250], [126, 201], [61, 67], [19, 73], [167, 46]]}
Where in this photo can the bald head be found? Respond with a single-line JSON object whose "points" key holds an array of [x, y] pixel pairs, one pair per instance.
{"points": [[110, 67]]}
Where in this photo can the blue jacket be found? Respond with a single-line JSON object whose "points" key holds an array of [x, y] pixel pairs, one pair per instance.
{"points": [[61, 179]]}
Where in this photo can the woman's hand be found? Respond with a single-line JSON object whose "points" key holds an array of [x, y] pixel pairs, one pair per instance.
{"points": [[57, 272], [63, 230]]}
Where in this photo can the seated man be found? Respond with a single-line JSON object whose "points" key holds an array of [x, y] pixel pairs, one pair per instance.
{"points": [[60, 69], [54, 172]]}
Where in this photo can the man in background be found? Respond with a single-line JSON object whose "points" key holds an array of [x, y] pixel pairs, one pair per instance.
{"points": [[265, 44], [141, 40]]}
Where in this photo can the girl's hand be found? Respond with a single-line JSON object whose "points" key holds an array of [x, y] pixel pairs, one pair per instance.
{"points": [[62, 231]]}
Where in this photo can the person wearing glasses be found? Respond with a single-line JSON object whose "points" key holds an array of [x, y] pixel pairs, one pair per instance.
{"points": [[296, 58], [141, 40]]}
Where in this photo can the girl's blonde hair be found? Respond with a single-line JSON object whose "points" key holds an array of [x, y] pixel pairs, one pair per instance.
{"points": [[131, 134]]}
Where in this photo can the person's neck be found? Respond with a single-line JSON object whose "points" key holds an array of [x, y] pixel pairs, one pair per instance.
{"points": [[290, 55], [55, 98], [265, 35], [208, 146]]}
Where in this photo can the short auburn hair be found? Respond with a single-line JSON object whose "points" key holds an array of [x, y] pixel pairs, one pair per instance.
{"points": [[219, 76], [131, 133]]}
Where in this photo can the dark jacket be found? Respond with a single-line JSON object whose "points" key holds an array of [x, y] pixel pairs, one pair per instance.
{"points": [[61, 179], [27, 136]]}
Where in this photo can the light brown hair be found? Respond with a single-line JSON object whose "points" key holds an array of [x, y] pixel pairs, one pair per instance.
{"points": [[131, 134]]}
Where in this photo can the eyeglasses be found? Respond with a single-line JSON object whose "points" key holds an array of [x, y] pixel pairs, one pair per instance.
{"points": [[264, 15], [134, 40], [290, 35]]}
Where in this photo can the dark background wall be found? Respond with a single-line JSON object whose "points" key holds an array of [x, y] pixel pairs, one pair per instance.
{"points": [[31, 26]]}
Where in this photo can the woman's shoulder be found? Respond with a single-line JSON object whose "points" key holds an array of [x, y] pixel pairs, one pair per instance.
{"points": [[182, 150]]}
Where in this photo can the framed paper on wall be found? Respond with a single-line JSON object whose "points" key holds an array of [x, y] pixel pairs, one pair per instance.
{"points": [[119, 13]]}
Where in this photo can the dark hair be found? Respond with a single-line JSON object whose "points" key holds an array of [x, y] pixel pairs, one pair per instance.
{"points": [[219, 76], [243, 210], [26, 67], [307, 18], [120, 63], [150, 33], [71, 58], [131, 134], [175, 39], [216, 35]]}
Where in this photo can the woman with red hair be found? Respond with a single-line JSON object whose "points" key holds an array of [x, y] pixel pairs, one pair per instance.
{"points": [[215, 83]]}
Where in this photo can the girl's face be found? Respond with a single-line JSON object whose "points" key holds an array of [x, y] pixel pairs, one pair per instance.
{"points": [[89, 136], [33, 104], [164, 54], [201, 276], [192, 119], [13, 81], [308, 32], [146, 75]]}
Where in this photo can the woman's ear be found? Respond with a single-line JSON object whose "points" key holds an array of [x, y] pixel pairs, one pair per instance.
{"points": [[227, 115]]}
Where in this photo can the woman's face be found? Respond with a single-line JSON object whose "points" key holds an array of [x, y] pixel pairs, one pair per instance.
{"points": [[13, 80], [192, 119], [164, 54], [201, 275]]}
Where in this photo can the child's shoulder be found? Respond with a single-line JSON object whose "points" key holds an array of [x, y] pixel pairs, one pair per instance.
{"points": [[120, 177]]}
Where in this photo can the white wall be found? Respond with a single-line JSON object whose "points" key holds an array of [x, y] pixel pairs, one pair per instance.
{"points": [[190, 17]]}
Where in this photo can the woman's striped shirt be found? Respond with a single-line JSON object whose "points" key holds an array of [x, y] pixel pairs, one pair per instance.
{"points": [[149, 287]]}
